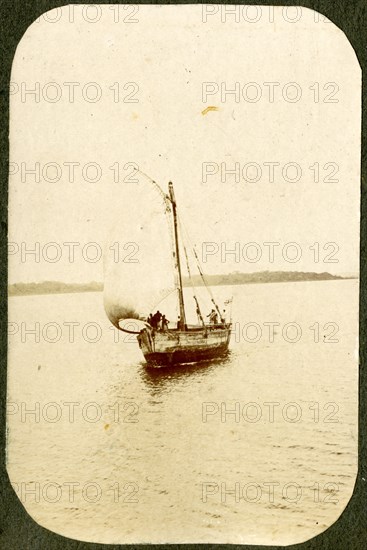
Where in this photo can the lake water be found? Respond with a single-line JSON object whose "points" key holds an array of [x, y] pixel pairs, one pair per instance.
{"points": [[260, 447]]}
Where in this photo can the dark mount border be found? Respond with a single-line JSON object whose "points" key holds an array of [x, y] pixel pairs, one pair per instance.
{"points": [[17, 529]]}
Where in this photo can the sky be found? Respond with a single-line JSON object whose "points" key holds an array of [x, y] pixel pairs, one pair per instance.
{"points": [[269, 171]]}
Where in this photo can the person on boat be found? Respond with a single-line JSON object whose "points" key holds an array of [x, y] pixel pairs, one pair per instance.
{"points": [[213, 317], [198, 314], [153, 321], [149, 320], [178, 323], [164, 323], [224, 317], [156, 319]]}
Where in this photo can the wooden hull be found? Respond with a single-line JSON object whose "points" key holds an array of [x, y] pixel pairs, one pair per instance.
{"points": [[168, 348]]}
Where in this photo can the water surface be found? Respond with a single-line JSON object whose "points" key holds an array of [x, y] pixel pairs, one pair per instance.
{"points": [[118, 453]]}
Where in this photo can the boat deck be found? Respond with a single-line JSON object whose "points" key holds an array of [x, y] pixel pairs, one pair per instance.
{"points": [[179, 346]]}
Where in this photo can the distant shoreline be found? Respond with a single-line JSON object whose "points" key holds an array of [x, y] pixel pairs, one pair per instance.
{"points": [[52, 287], [264, 277]]}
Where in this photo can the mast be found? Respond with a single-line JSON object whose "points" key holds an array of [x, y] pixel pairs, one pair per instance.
{"points": [[182, 323]]}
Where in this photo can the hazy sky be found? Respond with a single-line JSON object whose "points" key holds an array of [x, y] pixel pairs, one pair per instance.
{"points": [[150, 76]]}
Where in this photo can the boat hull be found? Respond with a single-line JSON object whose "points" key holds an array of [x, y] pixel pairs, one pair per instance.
{"points": [[162, 349]]}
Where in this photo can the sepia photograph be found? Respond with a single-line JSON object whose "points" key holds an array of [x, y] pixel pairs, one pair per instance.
{"points": [[183, 273]]}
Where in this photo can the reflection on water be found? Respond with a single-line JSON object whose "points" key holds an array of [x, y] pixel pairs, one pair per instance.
{"points": [[160, 379]]}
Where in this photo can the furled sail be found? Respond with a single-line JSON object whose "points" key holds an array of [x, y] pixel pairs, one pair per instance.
{"points": [[139, 258]]}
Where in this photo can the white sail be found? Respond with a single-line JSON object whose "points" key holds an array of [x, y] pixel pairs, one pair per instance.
{"points": [[142, 273]]}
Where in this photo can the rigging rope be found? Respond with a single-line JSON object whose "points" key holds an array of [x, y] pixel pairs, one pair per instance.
{"points": [[198, 311], [158, 187], [201, 273]]}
